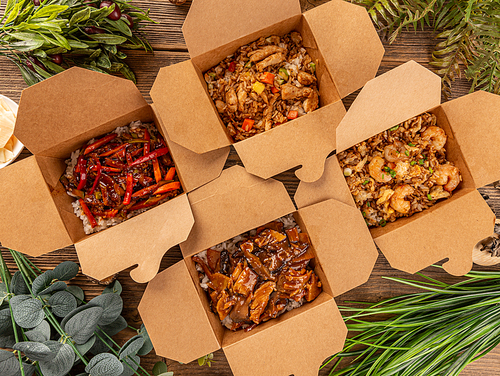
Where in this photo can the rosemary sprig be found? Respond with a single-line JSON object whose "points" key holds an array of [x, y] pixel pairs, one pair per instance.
{"points": [[436, 332]]}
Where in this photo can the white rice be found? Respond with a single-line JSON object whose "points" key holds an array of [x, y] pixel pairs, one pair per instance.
{"points": [[231, 246]]}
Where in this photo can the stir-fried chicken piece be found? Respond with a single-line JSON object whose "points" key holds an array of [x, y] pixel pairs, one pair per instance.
{"points": [[259, 303]]}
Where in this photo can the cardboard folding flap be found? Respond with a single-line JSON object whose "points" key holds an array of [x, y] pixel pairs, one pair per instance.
{"points": [[349, 43], [475, 119], [209, 25], [180, 330], [297, 345], [279, 149], [83, 91], [387, 100], [179, 87], [27, 208], [105, 253], [344, 247], [232, 205]]}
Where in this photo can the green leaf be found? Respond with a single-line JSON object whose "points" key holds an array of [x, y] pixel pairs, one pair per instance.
{"points": [[35, 351], [85, 347], [17, 285], [26, 45], [108, 38], [5, 322], [74, 44], [148, 345], [27, 36], [131, 347], [62, 362], [112, 304], [42, 282], [59, 285], [77, 292], [66, 270], [52, 66], [28, 77], [128, 74], [103, 61], [101, 346], [80, 16], [132, 361], [111, 48], [56, 50], [121, 26], [49, 10], [61, 41], [62, 303], [104, 365], [159, 368], [39, 333], [27, 311], [115, 327], [116, 288], [41, 54], [82, 325], [9, 365]]}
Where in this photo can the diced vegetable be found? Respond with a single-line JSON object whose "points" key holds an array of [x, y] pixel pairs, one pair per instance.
{"points": [[170, 174], [232, 66], [293, 114], [275, 90], [247, 124], [156, 170], [87, 212], [283, 73], [258, 87], [168, 187], [267, 78], [313, 67], [128, 191], [98, 176]]}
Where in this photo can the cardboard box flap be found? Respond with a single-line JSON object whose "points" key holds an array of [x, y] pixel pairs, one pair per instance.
{"points": [[234, 203], [385, 101], [349, 43], [331, 185], [476, 126], [304, 339], [27, 208], [210, 24], [195, 169], [343, 244], [305, 142], [116, 249], [178, 88], [421, 243], [175, 318], [66, 106]]}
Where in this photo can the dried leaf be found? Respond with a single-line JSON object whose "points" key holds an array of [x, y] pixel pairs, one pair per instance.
{"points": [[39, 333], [116, 288], [62, 303], [148, 345], [5, 322], [66, 270], [35, 351], [77, 293], [17, 285], [112, 304], [82, 325], [130, 365], [62, 362], [104, 365], [9, 365], [42, 281], [56, 286], [85, 347], [27, 311], [131, 347]]}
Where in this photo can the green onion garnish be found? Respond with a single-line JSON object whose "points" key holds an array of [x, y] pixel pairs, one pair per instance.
{"points": [[429, 197], [382, 223], [394, 128], [366, 182], [407, 153], [413, 163], [421, 162], [410, 144]]}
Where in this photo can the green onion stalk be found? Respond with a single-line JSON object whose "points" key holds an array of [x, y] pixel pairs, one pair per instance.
{"points": [[436, 332]]}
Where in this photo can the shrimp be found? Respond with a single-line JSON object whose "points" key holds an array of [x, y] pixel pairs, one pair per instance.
{"points": [[447, 175], [436, 135], [395, 152], [398, 201], [376, 172]]}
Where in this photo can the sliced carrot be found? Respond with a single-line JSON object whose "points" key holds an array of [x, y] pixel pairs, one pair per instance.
{"points": [[267, 78], [170, 174], [293, 114], [168, 187], [247, 124]]}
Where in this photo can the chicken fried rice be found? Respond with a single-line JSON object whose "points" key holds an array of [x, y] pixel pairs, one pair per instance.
{"points": [[400, 171], [264, 84]]}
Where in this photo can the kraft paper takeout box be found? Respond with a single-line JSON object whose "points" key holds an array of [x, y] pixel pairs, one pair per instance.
{"points": [[451, 228], [338, 35], [58, 116], [175, 310]]}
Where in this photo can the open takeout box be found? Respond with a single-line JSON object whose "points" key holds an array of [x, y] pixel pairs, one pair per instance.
{"points": [[58, 116], [175, 309], [451, 228], [339, 36]]}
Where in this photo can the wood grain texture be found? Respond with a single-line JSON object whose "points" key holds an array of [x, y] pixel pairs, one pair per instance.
{"points": [[166, 37]]}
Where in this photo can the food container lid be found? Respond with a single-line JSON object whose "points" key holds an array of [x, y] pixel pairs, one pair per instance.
{"points": [[385, 101], [211, 24], [69, 106]]}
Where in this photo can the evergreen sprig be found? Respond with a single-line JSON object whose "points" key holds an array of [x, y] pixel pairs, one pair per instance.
{"points": [[467, 33], [45, 37]]}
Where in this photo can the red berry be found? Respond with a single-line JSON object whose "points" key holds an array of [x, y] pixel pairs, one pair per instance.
{"points": [[90, 3], [94, 30], [105, 3], [115, 15], [30, 66], [36, 2], [128, 20], [31, 60], [57, 59]]}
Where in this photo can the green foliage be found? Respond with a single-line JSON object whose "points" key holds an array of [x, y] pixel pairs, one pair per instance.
{"points": [[435, 332], [207, 359], [31, 35], [61, 333], [467, 33]]}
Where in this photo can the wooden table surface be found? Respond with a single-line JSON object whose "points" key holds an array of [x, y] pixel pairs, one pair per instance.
{"points": [[168, 42]]}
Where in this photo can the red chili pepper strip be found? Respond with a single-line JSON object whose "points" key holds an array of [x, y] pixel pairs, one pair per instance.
{"points": [[113, 151], [83, 172], [147, 145], [110, 169], [232, 66], [170, 174], [168, 187], [128, 191], [98, 176], [129, 158], [99, 143], [111, 213], [145, 191], [148, 157], [157, 171], [149, 202], [87, 212]]}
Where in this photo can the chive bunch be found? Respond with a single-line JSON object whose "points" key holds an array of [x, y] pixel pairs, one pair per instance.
{"points": [[435, 332]]}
